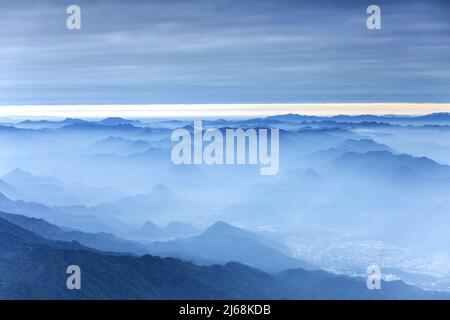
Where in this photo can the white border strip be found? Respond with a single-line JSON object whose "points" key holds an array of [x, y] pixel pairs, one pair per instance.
{"points": [[220, 110]]}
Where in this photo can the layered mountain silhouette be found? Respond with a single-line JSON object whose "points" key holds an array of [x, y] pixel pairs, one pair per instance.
{"points": [[118, 145], [223, 242], [383, 180], [35, 188], [350, 145], [434, 118], [353, 163], [34, 268], [100, 241], [21, 184], [174, 229], [257, 251], [113, 121], [160, 203], [86, 222]]}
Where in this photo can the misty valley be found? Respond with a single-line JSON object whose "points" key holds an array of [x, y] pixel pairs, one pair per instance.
{"points": [[104, 195]]}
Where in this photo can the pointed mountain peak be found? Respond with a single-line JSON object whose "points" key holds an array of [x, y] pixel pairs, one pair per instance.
{"points": [[112, 121], [72, 120], [18, 173], [161, 189], [149, 225], [223, 228]]}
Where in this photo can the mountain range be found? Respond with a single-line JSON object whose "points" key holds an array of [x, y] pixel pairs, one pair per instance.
{"points": [[351, 191], [35, 268], [222, 242]]}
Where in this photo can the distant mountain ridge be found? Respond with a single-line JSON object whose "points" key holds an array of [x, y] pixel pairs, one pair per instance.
{"points": [[118, 145], [435, 118], [151, 231], [159, 203], [383, 160], [349, 145]]}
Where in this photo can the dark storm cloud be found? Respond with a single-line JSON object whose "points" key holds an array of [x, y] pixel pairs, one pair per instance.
{"points": [[223, 51]]}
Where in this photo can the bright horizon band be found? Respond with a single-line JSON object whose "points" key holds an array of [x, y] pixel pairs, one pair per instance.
{"points": [[221, 110]]}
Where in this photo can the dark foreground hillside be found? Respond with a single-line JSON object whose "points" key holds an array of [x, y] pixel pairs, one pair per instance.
{"points": [[32, 267]]}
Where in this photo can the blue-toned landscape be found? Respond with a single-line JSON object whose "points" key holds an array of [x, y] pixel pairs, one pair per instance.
{"points": [[225, 150], [103, 194]]}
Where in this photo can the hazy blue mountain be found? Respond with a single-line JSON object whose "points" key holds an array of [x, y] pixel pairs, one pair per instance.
{"points": [[37, 226], [7, 189], [434, 118], [442, 117], [100, 241], [222, 242], [294, 193], [90, 196], [73, 121], [118, 145], [113, 121], [147, 277], [87, 223], [150, 155], [335, 120], [42, 122], [96, 127], [38, 188], [15, 239], [350, 145], [160, 203], [362, 146], [148, 231], [294, 117], [438, 118], [21, 177], [11, 129], [46, 124], [308, 140], [178, 229], [382, 161], [151, 231], [348, 186]]}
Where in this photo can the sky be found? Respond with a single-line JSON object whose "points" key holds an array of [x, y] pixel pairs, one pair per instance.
{"points": [[207, 52]]}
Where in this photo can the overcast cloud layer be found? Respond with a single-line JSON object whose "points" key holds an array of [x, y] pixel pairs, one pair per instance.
{"points": [[223, 51]]}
